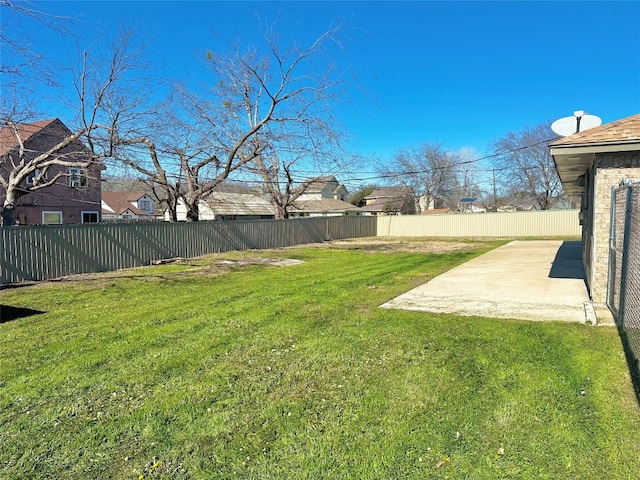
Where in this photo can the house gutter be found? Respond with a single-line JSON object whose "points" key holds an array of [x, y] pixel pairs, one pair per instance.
{"points": [[571, 150]]}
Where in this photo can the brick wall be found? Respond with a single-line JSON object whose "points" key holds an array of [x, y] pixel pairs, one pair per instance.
{"points": [[609, 170]]}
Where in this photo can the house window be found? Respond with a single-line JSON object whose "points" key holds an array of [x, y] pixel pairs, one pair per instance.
{"points": [[77, 177], [51, 218], [89, 217], [145, 205], [36, 177]]}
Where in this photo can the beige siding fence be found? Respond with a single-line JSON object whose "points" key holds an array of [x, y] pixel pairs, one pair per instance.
{"points": [[46, 252], [549, 223]]}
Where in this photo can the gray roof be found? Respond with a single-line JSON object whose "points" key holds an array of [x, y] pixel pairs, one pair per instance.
{"points": [[238, 204], [390, 192], [379, 205], [387, 198], [324, 205], [317, 184]]}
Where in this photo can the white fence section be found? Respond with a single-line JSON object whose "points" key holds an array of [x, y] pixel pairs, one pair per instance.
{"points": [[548, 223]]}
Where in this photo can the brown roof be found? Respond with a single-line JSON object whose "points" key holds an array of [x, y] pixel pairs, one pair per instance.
{"points": [[435, 211], [626, 130], [8, 140], [120, 202]]}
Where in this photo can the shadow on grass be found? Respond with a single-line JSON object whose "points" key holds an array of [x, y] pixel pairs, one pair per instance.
{"points": [[9, 313], [9, 286], [631, 345]]}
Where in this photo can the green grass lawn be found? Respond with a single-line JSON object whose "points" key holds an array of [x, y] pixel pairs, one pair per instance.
{"points": [[193, 371]]}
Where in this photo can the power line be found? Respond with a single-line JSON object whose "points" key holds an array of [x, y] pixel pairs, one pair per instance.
{"points": [[370, 176]]}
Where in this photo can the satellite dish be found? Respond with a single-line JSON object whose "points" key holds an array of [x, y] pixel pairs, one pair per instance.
{"points": [[579, 122], [589, 121]]}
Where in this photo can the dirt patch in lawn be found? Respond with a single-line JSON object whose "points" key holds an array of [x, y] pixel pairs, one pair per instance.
{"points": [[395, 244], [219, 264], [180, 267], [274, 262]]}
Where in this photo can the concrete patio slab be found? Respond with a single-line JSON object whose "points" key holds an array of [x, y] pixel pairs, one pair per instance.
{"points": [[528, 280]]}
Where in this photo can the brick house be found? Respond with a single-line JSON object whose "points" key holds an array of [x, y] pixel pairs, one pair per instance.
{"points": [[590, 164], [75, 195]]}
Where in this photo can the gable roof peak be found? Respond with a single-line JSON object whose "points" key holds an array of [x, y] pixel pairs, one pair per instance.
{"points": [[8, 140], [120, 202]]}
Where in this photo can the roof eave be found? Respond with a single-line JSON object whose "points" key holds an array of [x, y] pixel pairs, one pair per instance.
{"points": [[574, 160], [600, 147]]}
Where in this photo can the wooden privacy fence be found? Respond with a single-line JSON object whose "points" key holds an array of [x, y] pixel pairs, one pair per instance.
{"points": [[46, 252], [549, 223]]}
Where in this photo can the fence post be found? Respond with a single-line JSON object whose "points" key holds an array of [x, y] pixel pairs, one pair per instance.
{"points": [[612, 270], [625, 251]]}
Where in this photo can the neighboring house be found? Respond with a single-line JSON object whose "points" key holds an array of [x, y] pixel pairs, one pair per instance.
{"points": [[326, 207], [589, 164], [127, 206], [74, 197], [389, 201], [323, 188], [229, 206], [430, 202], [468, 205], [323, 197], [435, 211]]}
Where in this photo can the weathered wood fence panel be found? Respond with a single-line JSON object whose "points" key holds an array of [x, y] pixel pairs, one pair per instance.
{"points": [[45, 252], [549, 223]]}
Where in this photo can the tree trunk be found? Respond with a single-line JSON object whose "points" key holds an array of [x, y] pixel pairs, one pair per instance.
{"points": [[172, 204], [193, 212], [173, 212], [279, 211], [8, 218]]}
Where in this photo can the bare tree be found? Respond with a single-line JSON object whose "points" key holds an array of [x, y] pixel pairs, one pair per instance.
{"points": [[433, 173], [24, 170], [525, 170], [317, 150], [19, 52], [257, 104], [22, 67], [180, 163], [279, 182]]}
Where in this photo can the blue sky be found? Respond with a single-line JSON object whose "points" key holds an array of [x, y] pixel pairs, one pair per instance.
{"points": [[460, 73]]}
